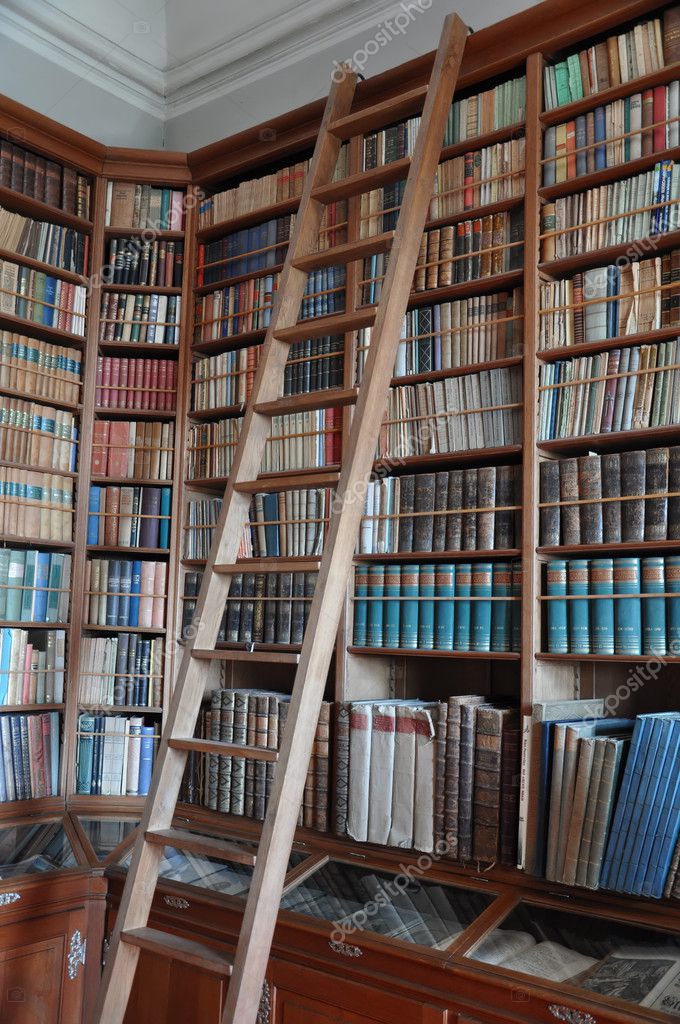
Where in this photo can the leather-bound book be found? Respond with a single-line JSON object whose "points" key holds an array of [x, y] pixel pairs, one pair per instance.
{"points": [[570, 519], [440, 770], [245, 633], [441, 493], [506, 524], [633, 469], [611, 488], [258, 607], [671, 35], [674, 488], [510, 776], [423, 525], [261, 740], [468, 722], [273, 703], [297, 619], [234, 608], [322, 767], [656, 482], [283, 608], [226, 735], [271, 587], [249, 784], [469, 501], [341, 768], [238, 764], [487, 782], [549, 490], [590, 488], [454, 521], [486, 498], [213, 725], [406, 502]]}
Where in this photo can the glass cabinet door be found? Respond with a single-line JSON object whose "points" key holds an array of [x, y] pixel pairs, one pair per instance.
{"points": [[609, 958], [106, 834], [29, 849]]}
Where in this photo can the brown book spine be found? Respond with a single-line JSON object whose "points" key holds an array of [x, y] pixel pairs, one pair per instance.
{"points": [[671, 35], [469, 501], [251, 740], [633, 467], [441, 491], [341, 768], [440, 772], [468, 718], [549, 518], [590, 488], [454, 521], [487, 783], [611, 488], [261, 740], [510, 777], [322, 767], [656, 482], [569, 514], [486, 498]]}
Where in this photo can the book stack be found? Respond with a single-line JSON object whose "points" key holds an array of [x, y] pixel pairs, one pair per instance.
{"points": [[314, 365], [627, 129], [245, 251], [154, 319], [124, 383], [34, 586], [224, 380], [38, 435], [430, 776], [482, 176], [610, 302], [211, 448], [608, 606], [36, 505], [115, 755], [286, 183], [487, 111], [39, 367], [304, 440], [133, 449], [129, 517], [59, 246], [42, 299], [614, 61], [29, 756], [642, 205], [464, 607], [235, 309], [622, 389], [453, 334], [610, 498], [35, 176], [143, 206], [126, 593], [423, 419], [32, 665], [428, 511], [121, 671], [140, 261]]}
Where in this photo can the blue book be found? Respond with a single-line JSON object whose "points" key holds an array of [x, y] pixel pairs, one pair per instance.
{"points": [[42, 575], [627, 610], [50, 295], [93, 508], [391, 606], [164, 521], [660, 793], [482, 585], [556, 587], [653, 608], [665, 842], [602, 582], [502, 610], [28, 593], [85, 754], [673, 603], [113, 597], [578, 610], [612, 307], [516, 606], [461, 633], [376, 587], [135, 591], [5, 661], [445, 610], [125, 588], [360, 605], [146, 757], [408, 620], [426, 590], [270, 503], [600, 136]]}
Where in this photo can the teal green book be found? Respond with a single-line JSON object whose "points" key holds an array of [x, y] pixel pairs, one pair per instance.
{"points": [[15, 579], [85, 751], [501, 612], [165, 209], [375, 600], [445, 610], [482, 585], [462, 627], [426, 608], [4, 581], [408, 619], [516, 606], [360, 605], [653, 608], [672, 603], [556, 588], [627, 610], [602, 582], [578, 610], [164, 525], [27, 594], [54, 586], [391, 606]]}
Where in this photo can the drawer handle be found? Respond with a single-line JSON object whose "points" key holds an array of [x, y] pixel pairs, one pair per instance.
{"points": [[9, 897], [176, 902], [571, 1016], [344, 949]]}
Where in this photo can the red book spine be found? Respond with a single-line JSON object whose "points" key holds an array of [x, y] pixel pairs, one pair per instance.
{"points": [[124, 382], [328, 420], [162, 398], [469, 193], [149, 399], [659, 118], [201, 264], [98, 387], [115, 395], [172, 376], [106, 381], [100, 438]]}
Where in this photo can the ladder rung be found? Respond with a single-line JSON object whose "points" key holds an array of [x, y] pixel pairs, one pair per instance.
{"points": [[210, 846], [290, 482], [224, 749], [178, 948], [347, 252], [329, 399], [380, 114], [336, 323], [365, 181], [243, 654], [268, 565]]}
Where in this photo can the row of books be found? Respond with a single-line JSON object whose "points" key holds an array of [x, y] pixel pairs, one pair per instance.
{"points": [[225, 379], [622, 389], [123, 671], [235, 309], [623, 211], [627, 129], [616, 60], [144, 262], [32, 666], [285, 183], [245, 251], [443, 607], [55, 244], [199, 526], [610, 302], [324, 293], [447, 255], [41, 298], [154, 319], [304, 440], [429, 511], [34, 586], [38, 435], [32, 175], [314, 365], [36, 505], [125, 383], [133, 450], [143, 206], [115, 755], [29, 756], [415, 774], [390, 144], [580, 498], [478, 410], [129, 517], [487, 111], [39, 367], [453, 334], [210, 448], [127, 593], [595, 606], [483, 176]]}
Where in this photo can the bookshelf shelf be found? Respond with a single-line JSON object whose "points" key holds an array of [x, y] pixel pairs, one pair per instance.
{"points": [[408, 652], [623, 659], [608, 174], [9, 541], [20, 325], [228, 282], [135, 709], [21, 708], [38, 210], [233, 341], [441, 556], [472, 457], [456, 371], [328, 398], [44, 268], [600, 99], [131, 481], [19, 624], [620, 439], [141, 289], [151, 233], [643, 546], [29, 396], [587, 348], [263, 213], [219, 412], [610, 254], [467, 289], [146, 348], [32, 468], [485, 210], [146, 630], [119, 550], [283, 655], [505, 134], [137, 414]]}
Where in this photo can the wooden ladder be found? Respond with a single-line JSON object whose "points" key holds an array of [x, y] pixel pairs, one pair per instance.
{"points": [[270, 863]]}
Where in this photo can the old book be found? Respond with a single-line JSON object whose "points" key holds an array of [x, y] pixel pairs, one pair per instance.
{"points": [[440, 770], [260, 767], [570, 519], [656, 483], [381, 772], [226, 735], [590, 488], [406, 507], [403, 783], [468, 719], [238, 764], [440, 505], [423, 520], [611, 488], [341, 768], [549, 518], [510, 788], [322, 768], [359, 770], [486, 498], [454, 520], [469, 526], [633, 469], [487, 782], [423, 803]]}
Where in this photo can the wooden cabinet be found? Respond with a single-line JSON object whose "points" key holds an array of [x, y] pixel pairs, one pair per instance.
{"points": [[168, 992]]}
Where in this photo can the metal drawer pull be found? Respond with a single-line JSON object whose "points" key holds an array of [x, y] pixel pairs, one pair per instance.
{"points": [[344, 949], [9, 897], [571, 1016]]}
